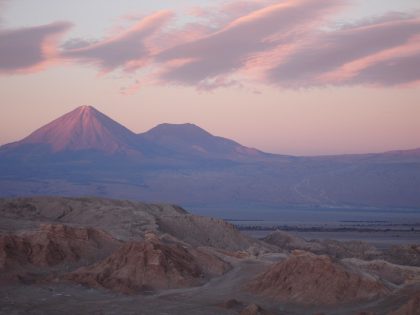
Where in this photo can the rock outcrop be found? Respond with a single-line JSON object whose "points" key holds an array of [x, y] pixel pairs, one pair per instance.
{"points": [[310, 279], [126, 220], [412, 307], [254, 309], [142, 266], [231, 304], [404, 255], [52, 245], [204, 231], [392, 273], [288, 241], [333, 248]]}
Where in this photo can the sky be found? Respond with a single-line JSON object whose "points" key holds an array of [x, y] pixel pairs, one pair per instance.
{"points": [[302, 77]]}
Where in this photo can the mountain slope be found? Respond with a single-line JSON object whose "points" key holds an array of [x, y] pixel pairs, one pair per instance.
{"points": [[191, 140], [84, 128]]}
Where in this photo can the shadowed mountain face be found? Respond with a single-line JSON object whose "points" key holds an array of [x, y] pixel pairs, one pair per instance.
{"points": [[85, 152], [191, 140]]}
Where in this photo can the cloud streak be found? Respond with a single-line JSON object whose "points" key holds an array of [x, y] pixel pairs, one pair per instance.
{"points": [[324, 58], [30, 49], [127, 50], [279, 43], [228, 49]]}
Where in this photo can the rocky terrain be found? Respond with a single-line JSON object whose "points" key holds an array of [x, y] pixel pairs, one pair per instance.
{"points": [[398, 254], [150, 265], [306, 278], [102, 256], [412, 307], [53, 245]]}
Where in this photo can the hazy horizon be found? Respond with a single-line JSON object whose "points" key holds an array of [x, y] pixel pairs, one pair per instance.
{"points": [[142, 131]]}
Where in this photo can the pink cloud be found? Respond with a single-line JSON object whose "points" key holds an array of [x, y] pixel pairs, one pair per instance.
{"points": [[128, 49], [227, 50], [341, 56], [398, 70], [349, 71], [234, 43], [30, 49], [221, 14]]}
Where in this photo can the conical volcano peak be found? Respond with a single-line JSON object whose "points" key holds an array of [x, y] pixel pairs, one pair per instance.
{"points": [[87, 109], [84, 128], [86, 113]]}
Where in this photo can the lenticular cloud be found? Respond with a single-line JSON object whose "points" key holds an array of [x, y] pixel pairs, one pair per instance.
{"points": [[284, 44]]}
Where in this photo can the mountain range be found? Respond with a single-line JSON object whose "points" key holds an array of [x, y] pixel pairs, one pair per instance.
{"points": [[84, 152], [86, 129]]}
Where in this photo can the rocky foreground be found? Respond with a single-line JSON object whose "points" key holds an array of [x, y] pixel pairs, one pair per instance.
{"points": [[88, 255]]}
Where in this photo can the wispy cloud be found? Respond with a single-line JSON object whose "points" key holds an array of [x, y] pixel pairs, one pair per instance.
{"points": [[285, 44], [342, 56], [228, 50], [29, 49], [127, 50], [390, 71]]}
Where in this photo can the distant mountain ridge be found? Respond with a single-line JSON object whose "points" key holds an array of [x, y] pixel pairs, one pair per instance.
{"points": [[85, 128], [193, 140], [84, 152]]}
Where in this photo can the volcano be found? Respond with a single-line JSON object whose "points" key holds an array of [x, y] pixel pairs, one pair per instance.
{"points": [[191, 140], [84, 128]]}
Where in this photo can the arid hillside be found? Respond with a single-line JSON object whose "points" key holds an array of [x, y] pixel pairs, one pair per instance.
{"points": [[91, 255]]}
